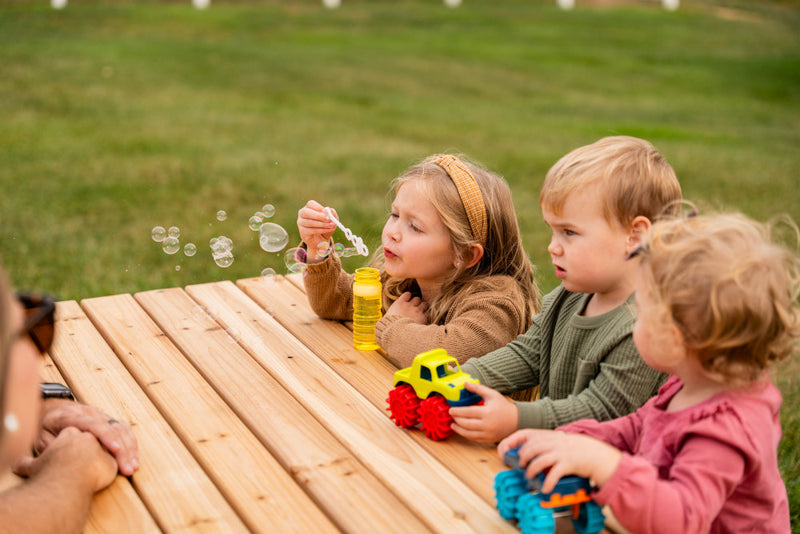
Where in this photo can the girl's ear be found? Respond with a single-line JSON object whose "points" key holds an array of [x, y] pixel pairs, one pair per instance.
{"points": [[474, 254], [637, 232]]}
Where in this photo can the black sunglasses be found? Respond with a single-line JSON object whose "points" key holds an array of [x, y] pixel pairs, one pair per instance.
{"points": [[40, 322]]}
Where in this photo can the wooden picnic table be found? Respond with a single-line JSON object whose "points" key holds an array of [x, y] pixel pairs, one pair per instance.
{"points": [[253, 414]]}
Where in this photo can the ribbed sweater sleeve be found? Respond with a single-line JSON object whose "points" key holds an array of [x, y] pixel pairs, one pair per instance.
{"points": [[329, 289], [586, 367]]}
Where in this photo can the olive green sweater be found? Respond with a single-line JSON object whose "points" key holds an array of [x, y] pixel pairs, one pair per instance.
{"points": [[586, 367], [479, 321]]}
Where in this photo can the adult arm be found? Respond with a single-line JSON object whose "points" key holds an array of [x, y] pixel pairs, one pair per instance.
{"points": [[60, 485]]}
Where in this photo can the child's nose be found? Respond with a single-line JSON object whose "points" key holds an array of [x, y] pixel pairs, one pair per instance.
{"points": [[554, 248]]}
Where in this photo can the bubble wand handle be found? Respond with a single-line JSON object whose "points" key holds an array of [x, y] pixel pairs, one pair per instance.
{"points": [[357, 242]]}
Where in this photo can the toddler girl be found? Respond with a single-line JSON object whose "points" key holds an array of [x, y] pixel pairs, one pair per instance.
{"points": [[454, 272], [717, 305]]}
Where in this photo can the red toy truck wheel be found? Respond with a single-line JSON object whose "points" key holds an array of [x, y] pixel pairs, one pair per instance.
{"points": [[403, 406], [434, 414]]}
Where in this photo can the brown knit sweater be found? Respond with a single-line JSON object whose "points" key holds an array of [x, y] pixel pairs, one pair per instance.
{"points": [[479, 321]]}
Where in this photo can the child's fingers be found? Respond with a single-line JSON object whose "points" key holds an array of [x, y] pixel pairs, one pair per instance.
{"points": [[516, 439], [482, 391]]}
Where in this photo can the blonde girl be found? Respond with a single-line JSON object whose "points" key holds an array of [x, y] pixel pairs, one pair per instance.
{"points": [[454, 271], [717, 306]]}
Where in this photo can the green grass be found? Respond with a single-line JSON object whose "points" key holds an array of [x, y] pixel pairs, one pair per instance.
{"points": [[120, 116]]}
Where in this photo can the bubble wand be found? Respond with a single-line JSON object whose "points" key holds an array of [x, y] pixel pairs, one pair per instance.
{"points": [[357, 242]]}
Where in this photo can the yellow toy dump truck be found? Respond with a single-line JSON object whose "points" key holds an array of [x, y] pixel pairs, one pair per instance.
{"points": [[424, 392]]}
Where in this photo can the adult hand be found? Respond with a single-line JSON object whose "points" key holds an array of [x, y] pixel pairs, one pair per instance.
{"points": [[490, 422], [315, 227], [75, 456], [412, 307], [117, 437], [564, 454]]}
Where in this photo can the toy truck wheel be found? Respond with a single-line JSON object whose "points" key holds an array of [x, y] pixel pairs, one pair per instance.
{"points": [[403, 406], [533, 519], [590, 520], [509, 486], [435, 418]]}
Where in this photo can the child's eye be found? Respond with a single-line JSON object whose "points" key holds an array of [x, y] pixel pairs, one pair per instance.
{"points": [[415, 228], [569, 232], [393, 215]]}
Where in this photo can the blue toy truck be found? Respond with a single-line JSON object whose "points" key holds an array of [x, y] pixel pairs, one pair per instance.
{"points": [[521, 499]]}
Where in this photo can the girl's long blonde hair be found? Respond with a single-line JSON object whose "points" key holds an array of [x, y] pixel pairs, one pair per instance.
{"points": [[503, 253]]}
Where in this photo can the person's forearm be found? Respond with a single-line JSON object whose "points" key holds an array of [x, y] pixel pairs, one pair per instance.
{"points": [[45, 504]]}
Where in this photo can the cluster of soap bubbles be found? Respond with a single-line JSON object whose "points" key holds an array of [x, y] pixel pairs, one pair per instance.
{"points": [[170, 240], [273, 238], [222, 251]]}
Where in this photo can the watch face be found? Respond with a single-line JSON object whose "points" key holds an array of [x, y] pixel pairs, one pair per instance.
{"points": [[54, 390]]}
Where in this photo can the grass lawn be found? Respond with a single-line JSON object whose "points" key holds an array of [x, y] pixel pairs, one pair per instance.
{"points": [[120, 116]]}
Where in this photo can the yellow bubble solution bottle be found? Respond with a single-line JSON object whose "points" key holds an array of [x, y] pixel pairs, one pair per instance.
{"points": [[366, 307]]}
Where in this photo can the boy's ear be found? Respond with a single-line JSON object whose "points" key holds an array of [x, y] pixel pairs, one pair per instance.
{"points": [[637, 232], [474, 255]]}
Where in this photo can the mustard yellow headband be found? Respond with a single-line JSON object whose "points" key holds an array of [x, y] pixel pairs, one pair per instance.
{"points": [[469, 192]]}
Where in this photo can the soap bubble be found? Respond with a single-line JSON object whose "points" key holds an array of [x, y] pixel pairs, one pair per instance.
{"points": [[295, 260], [671, 5], [338, 249], [452, 3], [273, 237], [174, 231], [201, 4], [256, 221], [159, 234], [566, 4], [190, 249], [323, 249], [170, 245], [58, 4], [177, 267], [221, 215], [268, 210], [224, 260], [349, 251], [268, 276], [330, 4], [222, 251]]}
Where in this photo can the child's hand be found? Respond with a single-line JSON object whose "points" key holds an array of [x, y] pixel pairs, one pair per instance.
{"points": [[488, 423], [413, 308], [564, 454], [315, 227]]}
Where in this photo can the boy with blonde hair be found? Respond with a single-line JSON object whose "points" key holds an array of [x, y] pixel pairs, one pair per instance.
{"points": [[599, 202]]}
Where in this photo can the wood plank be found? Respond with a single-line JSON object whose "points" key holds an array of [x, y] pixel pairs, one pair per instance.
{"points": [[345, 489], [475, 463], [247, 475], [170, 482], [118, 503], [416, 476]]}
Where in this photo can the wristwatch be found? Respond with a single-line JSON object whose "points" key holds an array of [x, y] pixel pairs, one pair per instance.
{"points": [[54, 390]]}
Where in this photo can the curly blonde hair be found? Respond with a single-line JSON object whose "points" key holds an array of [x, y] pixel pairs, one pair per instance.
{"points": [[503, 252], [729, 289]]}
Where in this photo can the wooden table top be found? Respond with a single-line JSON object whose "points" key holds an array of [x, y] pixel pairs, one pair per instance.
{"points": [[252, 414]]}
